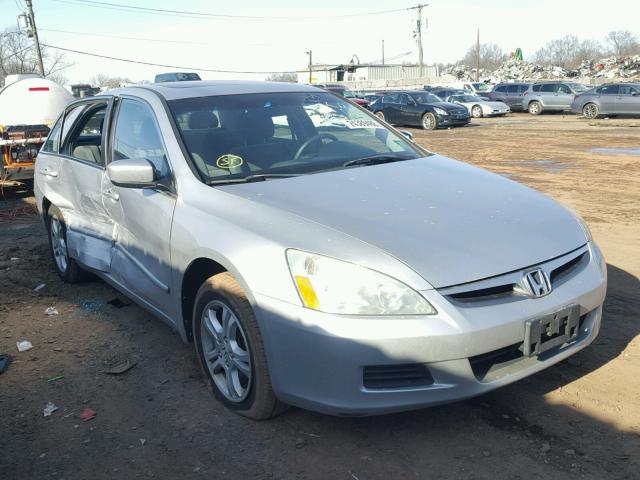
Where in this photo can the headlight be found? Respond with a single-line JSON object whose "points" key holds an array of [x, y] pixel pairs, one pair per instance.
{"points": [[440, 111], [334, 286]]}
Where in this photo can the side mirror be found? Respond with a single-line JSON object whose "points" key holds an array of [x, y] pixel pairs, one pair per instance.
{"points": [[132, 173], [407, 134]]}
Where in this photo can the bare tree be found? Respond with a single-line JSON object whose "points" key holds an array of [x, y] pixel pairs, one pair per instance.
{"points": [[491, 56], [623, 43], [283, 77], [568, 52], [104, 80], [17, 55]]}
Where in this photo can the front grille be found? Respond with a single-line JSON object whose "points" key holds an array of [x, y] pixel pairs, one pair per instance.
{"points": [[564, 270], [508, 286], [396, 376]]}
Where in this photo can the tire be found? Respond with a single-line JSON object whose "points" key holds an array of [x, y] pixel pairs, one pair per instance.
{"points": [[590, 111], [535, 108], [429, 121], [236, 363], [68, 269], [380, 115], [476, 111]]}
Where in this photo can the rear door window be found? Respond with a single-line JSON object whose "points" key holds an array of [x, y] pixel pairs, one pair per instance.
{"points": [[548, 88], [561, 88], [393, 98], [512, 89], [523, 88], [501, 89], [610, 90], [85, 138], [536, 88], [627, 89]]}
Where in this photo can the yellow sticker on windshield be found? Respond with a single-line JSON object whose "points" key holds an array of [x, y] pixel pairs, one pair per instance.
{"points": [[229, 161]]}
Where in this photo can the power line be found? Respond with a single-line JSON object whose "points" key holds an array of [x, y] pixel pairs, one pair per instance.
{"points": [[123, 37], [161, 11], [140, 62], [179, 67]]}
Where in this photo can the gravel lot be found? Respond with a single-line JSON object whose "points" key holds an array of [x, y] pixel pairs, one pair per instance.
{"points": [[579, 419]]}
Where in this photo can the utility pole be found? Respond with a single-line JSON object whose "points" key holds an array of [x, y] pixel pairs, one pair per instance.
{"points": [[34, 32], [310, 53], [383, 51], [419, 8], [478, 57]]}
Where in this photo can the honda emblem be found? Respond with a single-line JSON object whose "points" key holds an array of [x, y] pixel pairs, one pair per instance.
{"points": [[537, 282]]}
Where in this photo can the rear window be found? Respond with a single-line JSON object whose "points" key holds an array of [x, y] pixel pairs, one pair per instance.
{"points": [[536, 88]]}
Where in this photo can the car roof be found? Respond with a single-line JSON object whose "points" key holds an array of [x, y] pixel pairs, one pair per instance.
{"points": [[208, 88]]}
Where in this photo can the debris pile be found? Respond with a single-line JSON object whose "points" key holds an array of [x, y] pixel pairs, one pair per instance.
{"points": [[608, 68]]}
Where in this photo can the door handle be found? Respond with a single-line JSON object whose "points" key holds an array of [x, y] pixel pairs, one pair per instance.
{"points": [[48, 173], [112, 195]]}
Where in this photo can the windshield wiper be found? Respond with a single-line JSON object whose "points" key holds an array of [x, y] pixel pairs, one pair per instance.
{"points": [[258, 177], [377, 160]]}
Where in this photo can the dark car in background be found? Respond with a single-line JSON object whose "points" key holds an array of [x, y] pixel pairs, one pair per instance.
{"points": [[551, 96], [509, 93], [419, 108], [343, 92], [444, 93], [609, 99], [177, 77]]}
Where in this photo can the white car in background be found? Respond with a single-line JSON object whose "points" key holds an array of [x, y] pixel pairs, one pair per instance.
{"points": [[479, 107]]}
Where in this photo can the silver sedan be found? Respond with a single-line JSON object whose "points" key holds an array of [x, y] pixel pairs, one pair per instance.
{"points": [[314, 255], [479, 107]]}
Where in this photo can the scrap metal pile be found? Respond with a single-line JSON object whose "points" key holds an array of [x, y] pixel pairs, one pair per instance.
{"points": [[608, 68]]}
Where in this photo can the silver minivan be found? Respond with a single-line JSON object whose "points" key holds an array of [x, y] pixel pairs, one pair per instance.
{"points": [[551, 96]]}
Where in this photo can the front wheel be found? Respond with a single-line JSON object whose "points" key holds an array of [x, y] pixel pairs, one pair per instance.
{"points": [[590, 110], [535, 108], [230, 349], [476, 111], [429, 121]]}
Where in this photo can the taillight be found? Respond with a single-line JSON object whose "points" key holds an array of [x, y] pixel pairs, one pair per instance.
{"points": [[525, 94]]}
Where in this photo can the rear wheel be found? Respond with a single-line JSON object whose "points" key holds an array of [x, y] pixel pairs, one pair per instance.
{"points": [[535, 108], [380, 115], [429, 121], [230, 349], [476, 111], [590, 110], [67, 268]]}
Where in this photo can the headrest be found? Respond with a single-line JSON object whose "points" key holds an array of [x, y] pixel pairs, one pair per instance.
{"points": [[256, 126], [202, 120]]}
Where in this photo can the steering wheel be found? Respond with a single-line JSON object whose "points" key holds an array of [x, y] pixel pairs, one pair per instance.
{"points": [[314, 139]]}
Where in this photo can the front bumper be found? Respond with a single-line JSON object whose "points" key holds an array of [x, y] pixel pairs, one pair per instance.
{"points": [[452, 120], [317, 360]]}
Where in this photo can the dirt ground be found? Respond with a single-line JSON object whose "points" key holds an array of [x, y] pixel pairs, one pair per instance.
{"points": [[578, 419]]}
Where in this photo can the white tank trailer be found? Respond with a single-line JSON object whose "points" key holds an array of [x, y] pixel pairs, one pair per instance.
{"points": [[29, 105]]}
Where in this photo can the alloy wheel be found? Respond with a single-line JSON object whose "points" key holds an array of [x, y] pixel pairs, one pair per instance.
{"points": [[427, 122], [590, 111], [476, 112], [59, 245], [380, 115], [226, 351]]}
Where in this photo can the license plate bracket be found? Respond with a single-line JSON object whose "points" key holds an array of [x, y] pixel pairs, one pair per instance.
{"points": [[545, 333]]}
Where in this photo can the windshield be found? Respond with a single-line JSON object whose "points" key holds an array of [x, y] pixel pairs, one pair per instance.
{"points": [[236, 136], [425, 97], [466, 98], [481, 87]]}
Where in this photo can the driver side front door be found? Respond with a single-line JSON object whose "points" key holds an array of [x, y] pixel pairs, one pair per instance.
{"points": [[142, 216]]}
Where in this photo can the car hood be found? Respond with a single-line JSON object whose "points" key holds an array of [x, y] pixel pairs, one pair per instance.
{"points": [[448, 106], [450, 222]]}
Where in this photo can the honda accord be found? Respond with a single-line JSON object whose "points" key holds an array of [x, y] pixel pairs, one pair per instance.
{"points": [[314, 255]]}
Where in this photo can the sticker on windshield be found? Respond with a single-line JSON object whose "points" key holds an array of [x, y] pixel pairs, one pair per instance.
{"points": [[362, 124], [229, 161]]}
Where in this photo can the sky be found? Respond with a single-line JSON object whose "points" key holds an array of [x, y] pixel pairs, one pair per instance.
{"points": [[279, 44]]}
